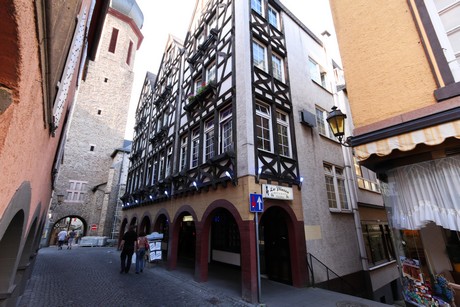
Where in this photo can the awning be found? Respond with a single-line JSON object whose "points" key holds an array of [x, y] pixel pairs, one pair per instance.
{"points": [[434, 135]]}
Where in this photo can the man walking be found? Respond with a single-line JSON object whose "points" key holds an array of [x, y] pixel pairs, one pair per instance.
{"points": [[62, 235], [128, 246]]}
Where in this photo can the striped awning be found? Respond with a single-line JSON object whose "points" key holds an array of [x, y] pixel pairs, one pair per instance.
{"points": [[434, 135]]}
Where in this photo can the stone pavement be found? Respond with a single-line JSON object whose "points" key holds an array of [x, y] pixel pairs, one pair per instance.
{"points": [[89, 276]]}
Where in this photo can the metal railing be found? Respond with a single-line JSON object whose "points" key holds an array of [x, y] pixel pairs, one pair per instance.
{"points": [[321, 276]]}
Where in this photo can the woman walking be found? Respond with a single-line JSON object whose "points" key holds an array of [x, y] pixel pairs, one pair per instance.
{"points": [[142, 246]]}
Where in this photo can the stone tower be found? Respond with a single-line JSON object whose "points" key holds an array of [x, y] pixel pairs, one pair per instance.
{"points": [[90, 174]]}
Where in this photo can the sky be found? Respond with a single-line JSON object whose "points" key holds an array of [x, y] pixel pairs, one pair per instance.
{"points": [[162, 18]]}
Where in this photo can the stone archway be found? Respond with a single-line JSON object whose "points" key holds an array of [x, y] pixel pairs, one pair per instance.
{"points": [[68, 223]]}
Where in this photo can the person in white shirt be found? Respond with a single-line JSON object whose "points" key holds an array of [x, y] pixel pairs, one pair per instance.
{"points": [[62, 235]]}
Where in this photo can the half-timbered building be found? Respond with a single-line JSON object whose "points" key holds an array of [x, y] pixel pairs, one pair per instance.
{"points": [[238, 108]]}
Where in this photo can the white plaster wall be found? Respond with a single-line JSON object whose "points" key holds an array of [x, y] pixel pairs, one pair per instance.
{"points": [[331, 237]]}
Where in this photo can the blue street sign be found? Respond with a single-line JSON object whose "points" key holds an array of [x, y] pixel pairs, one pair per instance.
{"points": [[256, 203]]}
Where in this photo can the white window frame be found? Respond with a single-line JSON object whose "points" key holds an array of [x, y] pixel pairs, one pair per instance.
{"points": [[259, 63], [77, 191], [282, 121], [278, 69], [263, 112], [258, 6], [225, 130], [195, 148], [317, 73], [208, 146], [273, 17], [321, 123], [168, 161], [211, 73], [183, 153], [198, 85], [336, 188]]}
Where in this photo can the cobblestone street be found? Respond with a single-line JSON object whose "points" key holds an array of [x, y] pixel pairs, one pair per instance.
{"points": [[89, 276]]}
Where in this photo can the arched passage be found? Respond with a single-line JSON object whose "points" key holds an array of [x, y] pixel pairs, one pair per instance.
{"points": [[183, 239], [68, 223], [162, 226], [145, 225]]}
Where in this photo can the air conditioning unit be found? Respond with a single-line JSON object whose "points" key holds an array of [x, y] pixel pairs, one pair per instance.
{"points": [[308, 118]]}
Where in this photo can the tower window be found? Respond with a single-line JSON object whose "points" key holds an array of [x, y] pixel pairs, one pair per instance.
{"points": [[113, 40], [128, 57], [91, 148]]}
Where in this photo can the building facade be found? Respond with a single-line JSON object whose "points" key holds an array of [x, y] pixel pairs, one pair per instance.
{"points": [[403, 83], [237, 109], [91, 165], [41, 66]]}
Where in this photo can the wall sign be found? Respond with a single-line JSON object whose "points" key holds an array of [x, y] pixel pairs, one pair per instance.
{"points": [[277, 192]]}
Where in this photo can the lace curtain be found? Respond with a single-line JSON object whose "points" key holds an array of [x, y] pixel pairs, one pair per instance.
{"points": [[425, 192]]}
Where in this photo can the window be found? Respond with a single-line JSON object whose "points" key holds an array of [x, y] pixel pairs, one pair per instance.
{"points": [[113, 40], [335, 187], [130, 49], [76, 191], [209, 139], [277, 67], [198, 85], [225, 130], [211, 74], [378, 241], [273, 17], [195, 148], [263, 133], [162, 166], [282, 122], [323, 126], [317, 73], [168, 161], [367, 179], [259, 56], [91, 147], [256, 5], [445, 20], [183, 153]]}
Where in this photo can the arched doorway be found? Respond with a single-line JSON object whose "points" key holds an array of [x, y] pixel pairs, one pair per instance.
{"points": [[275, 255]]}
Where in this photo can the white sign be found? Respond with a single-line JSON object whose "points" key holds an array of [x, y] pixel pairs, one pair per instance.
{"points": [[277, 192]]}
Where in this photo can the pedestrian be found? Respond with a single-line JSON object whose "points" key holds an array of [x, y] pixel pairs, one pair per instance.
{"points": [[70, 239], [128, 246], [142, 247], [62, 235]]}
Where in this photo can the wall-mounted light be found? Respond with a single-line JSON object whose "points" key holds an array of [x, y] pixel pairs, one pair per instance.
{"points": [[151, 197], [60, 199], [166, 193], [336, 121], [259, 172], [195, 185], [228, 175], [300, 182]]}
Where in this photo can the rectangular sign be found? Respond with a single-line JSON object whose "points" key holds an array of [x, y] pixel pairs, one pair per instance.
{"points": [[277, 192], [256, 203]]}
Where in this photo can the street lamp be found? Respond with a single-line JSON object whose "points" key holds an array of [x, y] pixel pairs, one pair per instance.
{"points": [[336, 121]]}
